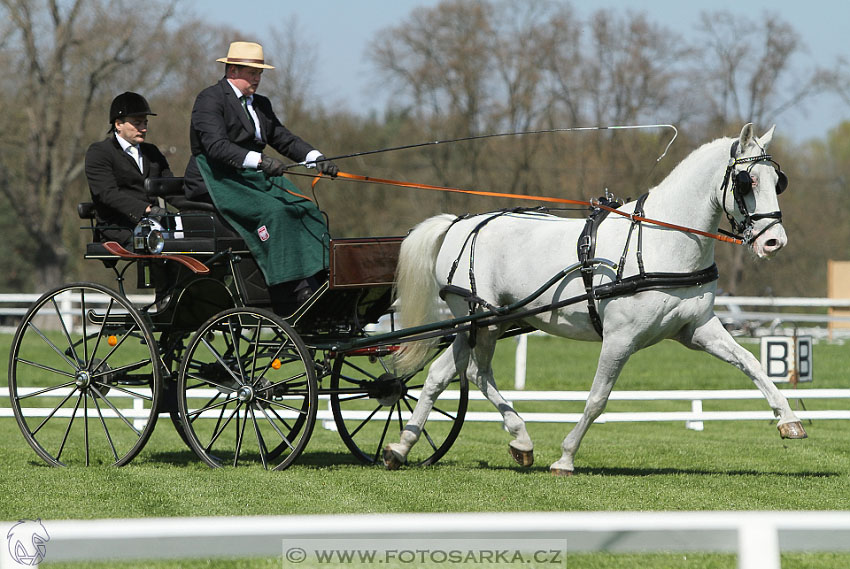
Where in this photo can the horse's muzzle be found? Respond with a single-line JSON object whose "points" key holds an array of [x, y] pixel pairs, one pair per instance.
{"points": [[769, 241]]}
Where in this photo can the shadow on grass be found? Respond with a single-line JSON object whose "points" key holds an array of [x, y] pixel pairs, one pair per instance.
{"points": [[638, 472], [328, 458], [183, 457], [186, 457], [701, 471]]}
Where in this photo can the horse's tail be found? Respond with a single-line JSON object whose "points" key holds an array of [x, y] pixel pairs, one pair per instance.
{"points": [[417, 289]]}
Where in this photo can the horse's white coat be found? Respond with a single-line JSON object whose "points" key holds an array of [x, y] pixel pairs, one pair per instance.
{"points": [[515, 254]]}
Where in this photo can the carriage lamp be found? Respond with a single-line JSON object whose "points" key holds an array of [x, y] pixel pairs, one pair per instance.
{"points": [[147, 237]]}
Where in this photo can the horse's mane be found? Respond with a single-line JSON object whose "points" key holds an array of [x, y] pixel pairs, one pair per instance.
{"points": [[698, 156]]}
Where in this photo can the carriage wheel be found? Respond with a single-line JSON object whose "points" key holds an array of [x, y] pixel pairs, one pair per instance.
{"points": [[84, 377], [247, 390], [371, 404]]}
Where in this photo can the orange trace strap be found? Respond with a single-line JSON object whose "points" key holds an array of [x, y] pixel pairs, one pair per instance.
{"points": [[191, 263], [400, 184]]}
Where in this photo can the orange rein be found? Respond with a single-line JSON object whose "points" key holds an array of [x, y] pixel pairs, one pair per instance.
{"points": [[400, 184]]}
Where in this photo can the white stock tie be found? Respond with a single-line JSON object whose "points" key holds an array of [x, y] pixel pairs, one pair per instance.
{"points": [[134, 152]]}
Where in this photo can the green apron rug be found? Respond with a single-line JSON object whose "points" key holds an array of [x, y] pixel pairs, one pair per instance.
{"points": [[286, 234]]}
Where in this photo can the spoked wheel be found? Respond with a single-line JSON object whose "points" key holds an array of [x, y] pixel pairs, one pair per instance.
{"points": [[84, 377], [371, 404], [247, 390]]}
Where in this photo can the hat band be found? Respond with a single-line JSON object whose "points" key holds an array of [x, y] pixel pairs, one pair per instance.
{"points": [[243, 60]]}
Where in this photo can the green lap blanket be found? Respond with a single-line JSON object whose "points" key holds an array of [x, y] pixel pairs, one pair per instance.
{"points": [[286, 234]]}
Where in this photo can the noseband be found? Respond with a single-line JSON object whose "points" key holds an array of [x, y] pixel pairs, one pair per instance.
{"points": [[742, 186]]}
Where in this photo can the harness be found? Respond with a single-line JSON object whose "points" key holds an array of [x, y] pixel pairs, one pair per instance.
{"points": [[742, 186], [630, 285], [586, 247], [739, 181]]}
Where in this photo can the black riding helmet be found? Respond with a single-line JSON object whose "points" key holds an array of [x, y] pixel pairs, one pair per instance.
{"points": [[128, 104]]}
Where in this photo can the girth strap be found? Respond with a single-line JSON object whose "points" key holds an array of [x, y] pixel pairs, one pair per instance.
{"points": [[586, 250]]}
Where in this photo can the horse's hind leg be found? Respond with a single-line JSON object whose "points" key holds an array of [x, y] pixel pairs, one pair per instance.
{"points": [[480, 371], [716, 340], [442, 371]]}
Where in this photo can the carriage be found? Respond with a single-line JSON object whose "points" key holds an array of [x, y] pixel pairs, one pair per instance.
{"points": [[243, 385], [91, 370]]}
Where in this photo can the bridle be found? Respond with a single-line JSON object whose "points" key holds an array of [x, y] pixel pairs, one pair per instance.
{"points": [[742, 186]]}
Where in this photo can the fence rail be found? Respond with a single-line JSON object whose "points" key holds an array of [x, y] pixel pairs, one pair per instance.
{"points": [[756, 537], [693, 419]]}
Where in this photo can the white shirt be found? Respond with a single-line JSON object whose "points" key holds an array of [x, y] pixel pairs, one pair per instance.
{"points": [[252, 159], [125, 146]]}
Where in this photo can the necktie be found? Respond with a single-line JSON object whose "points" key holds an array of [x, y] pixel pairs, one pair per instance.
{"points": [[244, 100], [134, 152]]}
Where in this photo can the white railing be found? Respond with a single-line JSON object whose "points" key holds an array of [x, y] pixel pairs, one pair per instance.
{"points": [[756, 537], [14, 306], [693, 419]]}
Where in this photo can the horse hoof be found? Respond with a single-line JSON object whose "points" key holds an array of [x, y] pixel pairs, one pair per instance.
{"points": [[560, 472], [392, 459], [793, 430], [522, 457]]}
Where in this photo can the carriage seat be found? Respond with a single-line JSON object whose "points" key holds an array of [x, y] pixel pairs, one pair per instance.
{"points": [[202, 236], [171, 189]]}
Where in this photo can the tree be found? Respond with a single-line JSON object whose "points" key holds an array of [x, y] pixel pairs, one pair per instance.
{"points": [[746, 73], [69, 56]]}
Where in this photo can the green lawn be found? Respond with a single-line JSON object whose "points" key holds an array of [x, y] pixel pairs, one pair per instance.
{"points": [[646, 466]]}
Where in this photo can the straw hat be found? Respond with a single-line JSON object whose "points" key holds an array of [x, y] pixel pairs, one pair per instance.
{"points": [[245, 53]]}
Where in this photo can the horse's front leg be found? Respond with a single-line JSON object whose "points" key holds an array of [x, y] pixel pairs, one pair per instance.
{"points": [[613, 356], [442, 371], [716, 340]]}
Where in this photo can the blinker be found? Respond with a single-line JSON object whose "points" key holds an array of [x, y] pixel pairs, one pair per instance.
{"points": [[744, 183], [781, 183]]}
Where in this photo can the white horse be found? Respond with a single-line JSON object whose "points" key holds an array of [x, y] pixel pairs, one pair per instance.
{"points": [[515, 254]]}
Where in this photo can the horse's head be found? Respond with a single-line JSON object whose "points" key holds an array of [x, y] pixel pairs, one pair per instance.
{"points": [[751, 187]]}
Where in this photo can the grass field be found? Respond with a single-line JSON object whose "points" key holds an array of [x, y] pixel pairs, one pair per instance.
{"points": [[648, 466]]}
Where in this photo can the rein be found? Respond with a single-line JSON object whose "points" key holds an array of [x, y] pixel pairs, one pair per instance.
{"points": [[591, 203]]}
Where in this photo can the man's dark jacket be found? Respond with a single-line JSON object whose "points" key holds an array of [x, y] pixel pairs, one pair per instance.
{"points": [[118, 187], [222, 131]]}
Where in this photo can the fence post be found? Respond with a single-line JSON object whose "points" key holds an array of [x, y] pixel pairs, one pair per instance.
{"points": [[521, 360], [696, 407], [758, 544]]}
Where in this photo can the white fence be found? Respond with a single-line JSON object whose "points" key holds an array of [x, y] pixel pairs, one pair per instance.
{"points": [[756, 537], [693, 419], [14, 306]]}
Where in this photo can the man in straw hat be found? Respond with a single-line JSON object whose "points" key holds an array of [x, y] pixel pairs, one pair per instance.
{"points": [[230, 166]]}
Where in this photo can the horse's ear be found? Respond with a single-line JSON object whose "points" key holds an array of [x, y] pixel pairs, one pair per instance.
{"points": [[747, 136], [765, 139]]}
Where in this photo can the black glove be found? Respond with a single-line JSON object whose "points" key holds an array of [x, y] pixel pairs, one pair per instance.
{"points": [[326, 167], [157, 213], [272, 166]]}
